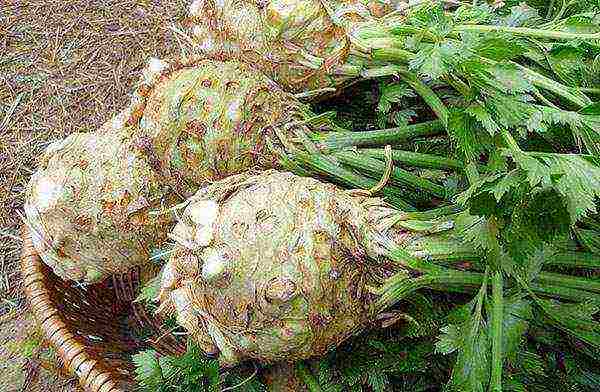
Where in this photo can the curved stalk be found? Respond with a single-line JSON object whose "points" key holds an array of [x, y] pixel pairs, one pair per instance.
{"points": [[541, 81], [417, 159], [430, 97], [398, 175]]}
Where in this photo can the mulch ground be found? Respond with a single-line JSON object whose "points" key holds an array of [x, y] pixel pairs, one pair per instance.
{"points": [[65, 66]]}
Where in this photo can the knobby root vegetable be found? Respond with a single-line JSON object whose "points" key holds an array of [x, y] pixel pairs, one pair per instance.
{"points": [[99, 202], [210, 120], [277, 267], [301, 44], [89, 203]]}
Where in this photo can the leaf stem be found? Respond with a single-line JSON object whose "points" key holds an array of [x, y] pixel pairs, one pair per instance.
{"points": [[590, 90], [511, 143], [396, 55], [577, 98], [472, 172], [346, 177], [575, 260], [564, 293], [497, 319], [527, 32], [574, 282], [431, 214], [402, 29], [430, 97], [458, 85], [580, 100], [567, 323], [338, 140], [400, 286], [417, 159]]}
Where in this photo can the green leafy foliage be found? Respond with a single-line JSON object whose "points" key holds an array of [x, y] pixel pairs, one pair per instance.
{"points": [[392, 107], [149, 291], [528, 136], [522, 15], [392, 93], [148, 369], [189, 372], [524, 121], [517, 313], [590, 239], [574, 177], [468, 136], [470, 340], [383, 364], [353, 109]]}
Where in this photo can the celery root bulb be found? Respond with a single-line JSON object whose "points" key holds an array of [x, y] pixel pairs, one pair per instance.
{"points": [[275, 266], [99, 202], [211, 119], [301, 44], [88, 206]]}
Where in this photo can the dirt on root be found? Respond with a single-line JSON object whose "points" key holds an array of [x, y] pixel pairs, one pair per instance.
{"points": [[65, 66]]}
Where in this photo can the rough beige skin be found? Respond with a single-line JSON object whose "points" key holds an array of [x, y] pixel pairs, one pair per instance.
{"points": [[275, 266], [210, 120], [98, 203], [89, 205], [301, 44]]}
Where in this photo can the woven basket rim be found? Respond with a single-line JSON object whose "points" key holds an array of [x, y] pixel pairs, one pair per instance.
{"points": [[93, 373]]}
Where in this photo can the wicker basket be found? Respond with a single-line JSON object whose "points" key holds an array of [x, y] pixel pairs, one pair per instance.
{"points": [[95, 329]]}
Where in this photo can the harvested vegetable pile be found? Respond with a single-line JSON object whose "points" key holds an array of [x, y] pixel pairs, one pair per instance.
{"points": [[92, 205], [462, 239]]}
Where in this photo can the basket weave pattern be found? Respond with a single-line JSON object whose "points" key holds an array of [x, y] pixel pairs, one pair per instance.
{"points": [[95, 329]]}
